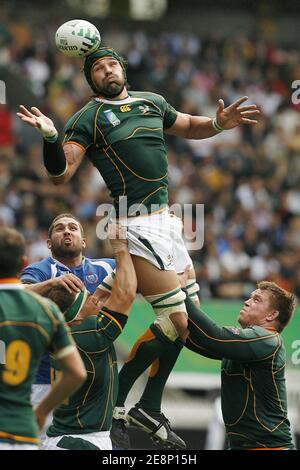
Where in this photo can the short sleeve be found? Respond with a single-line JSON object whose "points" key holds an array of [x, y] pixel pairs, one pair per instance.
{"points": [[170, 115], [61, 337], [79, 129], [32, 275]]}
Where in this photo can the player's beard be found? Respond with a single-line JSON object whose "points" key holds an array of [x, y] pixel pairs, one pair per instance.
{"points": [[66, 252], [111, 90]]}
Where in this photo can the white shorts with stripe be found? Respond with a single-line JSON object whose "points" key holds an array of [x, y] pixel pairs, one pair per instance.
{"points": [[7, 446], [158, 238], [100, 440]]}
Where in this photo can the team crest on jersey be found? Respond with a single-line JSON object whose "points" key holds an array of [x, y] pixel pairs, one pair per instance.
{"points": [[92, 278], [111, 117], [144, 109]]}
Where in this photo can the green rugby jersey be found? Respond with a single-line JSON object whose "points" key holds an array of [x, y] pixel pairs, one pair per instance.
{"points": [[125, 142], [29, 326], [253, 390], [90, 408]]}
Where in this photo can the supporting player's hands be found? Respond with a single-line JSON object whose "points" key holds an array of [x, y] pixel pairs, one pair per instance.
{"points": [[117, 235], [101, 295], [235, 114], [39, 121], [69, 281]]}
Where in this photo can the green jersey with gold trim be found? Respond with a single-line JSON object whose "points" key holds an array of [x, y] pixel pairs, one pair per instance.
{"points": [[90, 408], [29, 326], [125, 141], [253, 390]]}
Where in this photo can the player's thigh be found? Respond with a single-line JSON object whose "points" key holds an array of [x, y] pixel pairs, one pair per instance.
{"points": [[151, 280]]}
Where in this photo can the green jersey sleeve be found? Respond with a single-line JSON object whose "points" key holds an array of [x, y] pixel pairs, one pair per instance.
{"points": [[169, 114], [198, 349], [80, 127], [97, 333], [61, 341], [248, 344]]}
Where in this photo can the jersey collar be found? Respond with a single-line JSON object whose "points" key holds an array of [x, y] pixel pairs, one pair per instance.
{"points": [[67, 267], [127, 100], [11, 283]]}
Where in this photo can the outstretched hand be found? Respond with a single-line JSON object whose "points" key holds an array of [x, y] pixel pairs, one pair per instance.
{"points": [[35, 118], [235, 114]]}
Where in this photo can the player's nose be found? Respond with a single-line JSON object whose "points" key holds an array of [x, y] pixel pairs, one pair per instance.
{"points": [[107, 70]]}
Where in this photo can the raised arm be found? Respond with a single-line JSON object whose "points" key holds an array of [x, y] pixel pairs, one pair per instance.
{"points": [[61, 162], [227, 342], [112, 318], [125, 282], [201, 127]]}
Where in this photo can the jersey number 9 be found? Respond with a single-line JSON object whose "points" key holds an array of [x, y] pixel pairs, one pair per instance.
{"points": [[17, 362]]}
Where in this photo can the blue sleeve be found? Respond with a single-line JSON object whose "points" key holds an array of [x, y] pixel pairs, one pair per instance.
{"points": [[33, 274]]}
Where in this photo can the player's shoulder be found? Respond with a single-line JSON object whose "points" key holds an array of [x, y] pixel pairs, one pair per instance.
{"points": [[148, 95], [43, 264], [87, 111], [105, 263], [38, 271], [263, 333]]}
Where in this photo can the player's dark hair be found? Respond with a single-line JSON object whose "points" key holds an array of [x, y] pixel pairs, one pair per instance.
{"points": [[61, 297], [61, 216], [281, 300], [12, 250]]}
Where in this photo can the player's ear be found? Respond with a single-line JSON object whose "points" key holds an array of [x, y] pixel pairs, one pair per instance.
{"points": [[273, 315], [49, 244], [83, 243]]}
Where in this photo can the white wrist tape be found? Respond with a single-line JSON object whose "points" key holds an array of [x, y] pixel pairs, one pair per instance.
{"points": [[48, 132], [216, 126]]}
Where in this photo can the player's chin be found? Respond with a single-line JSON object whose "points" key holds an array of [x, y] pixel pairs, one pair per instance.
{"points": [[69, 250], [241, 318], [114, 88]]}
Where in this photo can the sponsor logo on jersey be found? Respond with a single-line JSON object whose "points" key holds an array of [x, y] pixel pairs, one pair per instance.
{"points": [[125, 108], [111, 117]]}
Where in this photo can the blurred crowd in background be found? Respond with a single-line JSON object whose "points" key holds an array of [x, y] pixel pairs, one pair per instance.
{"points": [[248, 178]]}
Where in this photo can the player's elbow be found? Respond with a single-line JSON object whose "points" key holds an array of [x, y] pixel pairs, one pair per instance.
{"points": [[73, 369], [131, 290], [124, 297], [81, 375], [130, 295], [127, 295], [77, 376]]}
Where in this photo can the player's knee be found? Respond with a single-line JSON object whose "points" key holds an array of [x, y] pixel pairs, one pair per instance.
{"points": [[170, 310], [180, 322]]}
